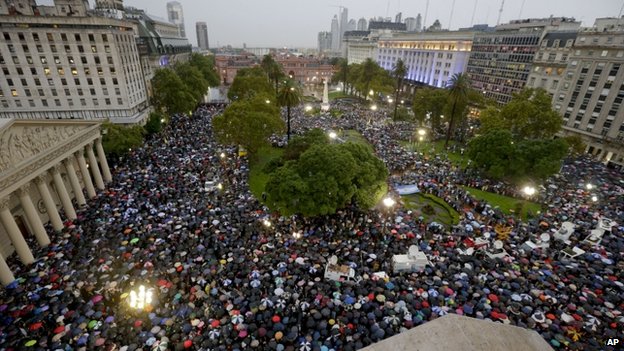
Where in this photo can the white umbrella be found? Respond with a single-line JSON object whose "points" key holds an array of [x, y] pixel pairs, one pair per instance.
{"points": [[304, 306], [255, 283], [305, 346], [255, 274], [266, 302], [215, 222], [237, 319], [280, 304], [300, 260], [213, 334], [279, 292], [394, 320]]}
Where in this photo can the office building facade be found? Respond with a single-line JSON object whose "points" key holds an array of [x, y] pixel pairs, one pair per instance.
{"points": [[591, 95], [70, 67]]}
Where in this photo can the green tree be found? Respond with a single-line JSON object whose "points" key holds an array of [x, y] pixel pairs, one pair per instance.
{"points": [[529, 115], [192, 77], [300, 144], [119, 139], [398, 73], [492, 152], [273, 71], [154, 123], [248, 123], [341, 75], [429, 100], [326, 177], [206, 66], [458, 88], [169, 93], [576, 144], [370, 174], [289, 96], [250, 82]]}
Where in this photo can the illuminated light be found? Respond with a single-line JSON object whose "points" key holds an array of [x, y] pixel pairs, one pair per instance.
{"points": [[374, 107], [222, 155], [333, 135], [141, 299], [220, 186], [529, 190], [594, 198], [389, 202]]}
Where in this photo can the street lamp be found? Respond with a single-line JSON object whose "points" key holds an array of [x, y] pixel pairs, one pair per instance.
{"points": [[266, 223], [374, 107], [589, 186], [594, 198], [297, 235], [390, 101], [333, 135], [308, 108], [529, 190], [140, 299], [267, 101], [220, 186], [389, 202], [222, 155]]}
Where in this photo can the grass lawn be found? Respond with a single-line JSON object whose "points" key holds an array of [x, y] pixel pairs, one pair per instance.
{"points": [[353, 136], [257, 178], [505, 203], [432, 149], [443, 212]]}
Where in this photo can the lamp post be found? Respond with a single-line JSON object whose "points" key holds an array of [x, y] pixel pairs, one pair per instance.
{"points": [[333, 135], [529, 190], [373, 107], [388, 202]]}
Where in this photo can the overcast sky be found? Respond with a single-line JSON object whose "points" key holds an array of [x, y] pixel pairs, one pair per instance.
{"points": [[296, 23]]}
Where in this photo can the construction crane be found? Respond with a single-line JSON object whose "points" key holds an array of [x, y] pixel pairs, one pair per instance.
{"points": [[500, 13]]}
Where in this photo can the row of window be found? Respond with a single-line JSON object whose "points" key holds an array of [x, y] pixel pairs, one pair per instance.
{"points": [[50, 37], [13, 48], [57, 102], [54, 92]]}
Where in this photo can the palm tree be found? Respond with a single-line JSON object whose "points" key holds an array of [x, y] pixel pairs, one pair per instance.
{"points": [[398, 73], [367, 75], [273, 70], [458, 87], [289, 96]]}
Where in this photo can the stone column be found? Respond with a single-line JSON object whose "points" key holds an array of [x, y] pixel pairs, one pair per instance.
{"points": [[21, 247], [86, 178], [6, 276], [63, 195], [95, 169], [49, 203], [73, 179], [103, 163], [33, 217]]}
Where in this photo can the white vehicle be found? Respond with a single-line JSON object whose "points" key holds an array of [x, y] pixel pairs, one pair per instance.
{"points": [[605, 224], [497, 251], [595, 237], [563, 234], [340, 273], [414, 261], [543, 243], [570, 253]]}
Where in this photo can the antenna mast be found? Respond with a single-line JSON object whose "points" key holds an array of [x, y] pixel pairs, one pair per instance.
{"points": [[473, 12], [425, 19], [451, 16]]}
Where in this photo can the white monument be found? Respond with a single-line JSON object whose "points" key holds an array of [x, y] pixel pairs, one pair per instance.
{"points": [[325, 103], [414, 261]]}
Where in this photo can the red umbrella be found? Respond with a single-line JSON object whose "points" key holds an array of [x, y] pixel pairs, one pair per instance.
{"points": [[276, 319], [215, 323], [493, 298], [59, 329], [35, 326]]}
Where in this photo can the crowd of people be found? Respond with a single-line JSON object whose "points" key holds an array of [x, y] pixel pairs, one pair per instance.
{"points": [[227, 274]]}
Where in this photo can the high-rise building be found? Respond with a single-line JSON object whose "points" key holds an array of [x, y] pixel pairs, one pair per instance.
{"points": [[109, 4], [410, 24], [65, 66], [591, 94], [324, 42], [352, 25], [418, 23], [500, 61], [176, 16], [344, 22], [362, 24], [202, 35], [335, 34]]}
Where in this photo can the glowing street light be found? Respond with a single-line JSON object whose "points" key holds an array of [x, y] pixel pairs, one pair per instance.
{"points": [[374, 107], [222, 155], [589, 186], [390, 101], [333, 135], [266, 223], [422, 132], [529, 190], [297, 235], [220, 186], [140, 299], [267, 101], [389, 202], [594, 198], [308, 108]]}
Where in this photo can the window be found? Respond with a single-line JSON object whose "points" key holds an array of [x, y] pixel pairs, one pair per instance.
{"points": [[87, 71], [604, 53], [93, 49], [25, 48], [61, 71], [63, 37], [92, 91], [16, 60], [97, 60], [57, 102], [67, 92], [54, 93], [70, 59], [39, 49], [74, 71], [89, 81], [46, 70], [37, 81], [31, 103], [50, 37], [91, 38], [20, 71], [77, 37], [107, 101], [14, 93], [28, 59], [10, 82], [44, 102], [27, 92], [95, 102], [18, 103], [119, 101], [80, 48], [109, 59], [104, 38], [67, 49], [83, 102], [80, 92], [70, 102], [53, 48]]}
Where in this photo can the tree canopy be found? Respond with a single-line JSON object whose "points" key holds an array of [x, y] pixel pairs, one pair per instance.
{"points": [[119, 139], [249, 123], [324, 177], [529, 115], [192, 77], [250, 82], [429, 100], [289, 96], [170, 94], [206, 66], [273, 71]]}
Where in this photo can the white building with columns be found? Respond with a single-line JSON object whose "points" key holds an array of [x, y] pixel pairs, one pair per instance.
{"points": [[48, 169]]}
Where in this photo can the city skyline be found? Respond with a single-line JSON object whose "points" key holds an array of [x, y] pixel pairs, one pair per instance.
{"points": [[245, 22]]}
